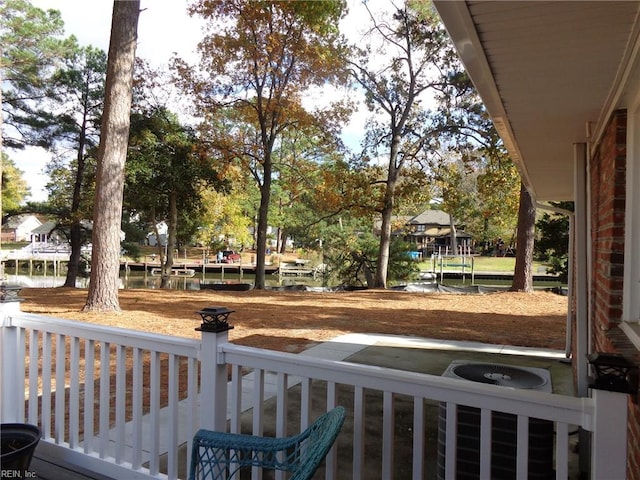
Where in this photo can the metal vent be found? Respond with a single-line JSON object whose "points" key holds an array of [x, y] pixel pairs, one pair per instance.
{"points": [[504, 375], [503, 426]]}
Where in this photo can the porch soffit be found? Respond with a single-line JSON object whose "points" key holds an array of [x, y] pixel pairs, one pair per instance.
{"points": [[544, 70]]}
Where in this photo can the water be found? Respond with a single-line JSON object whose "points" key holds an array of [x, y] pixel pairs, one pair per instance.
{"points": [[139, 279], [134, 280]]}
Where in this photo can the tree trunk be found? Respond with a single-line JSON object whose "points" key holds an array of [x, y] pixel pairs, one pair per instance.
{"points": [[387, 213], [453, 237], [75, 237], [112, 154], [523, 272], [282, 240], [261, 240], [73, 267], [382, 266], [485, 236], [160, 248], [172, 233]]}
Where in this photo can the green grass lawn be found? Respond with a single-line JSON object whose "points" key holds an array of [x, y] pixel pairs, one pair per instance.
{"points": [[487, 264], [495, 264]]}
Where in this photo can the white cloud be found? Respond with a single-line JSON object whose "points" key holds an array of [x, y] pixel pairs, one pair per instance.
{"points": [[32, 162], [164, 27], [90, 22]]}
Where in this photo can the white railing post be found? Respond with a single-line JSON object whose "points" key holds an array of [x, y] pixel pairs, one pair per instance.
{"points": [[10, 383], [213, 385], [614, 378], [609, 438]]}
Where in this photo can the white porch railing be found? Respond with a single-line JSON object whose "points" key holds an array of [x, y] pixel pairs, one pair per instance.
{"points": [[110, 398], [126, 404]]}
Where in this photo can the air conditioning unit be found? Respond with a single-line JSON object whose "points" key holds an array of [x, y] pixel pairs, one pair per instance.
{"points": [[503, 426]]}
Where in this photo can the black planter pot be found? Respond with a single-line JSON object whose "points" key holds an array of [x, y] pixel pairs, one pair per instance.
{"points": [[19, 441]]}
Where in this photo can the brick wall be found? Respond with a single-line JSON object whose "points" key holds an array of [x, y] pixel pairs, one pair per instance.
{"points": [[607, 167], [607, 236]]}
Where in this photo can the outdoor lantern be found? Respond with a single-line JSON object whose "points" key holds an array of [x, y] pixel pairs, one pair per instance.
{"points": [[614, 372], [214, 319]]}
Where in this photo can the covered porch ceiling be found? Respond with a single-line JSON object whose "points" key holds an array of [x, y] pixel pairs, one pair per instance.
{"points": [[550, 74]]}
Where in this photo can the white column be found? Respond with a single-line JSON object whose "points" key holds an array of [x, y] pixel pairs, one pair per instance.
{"points": [[213, 387], [10, 384], [581, 269]]}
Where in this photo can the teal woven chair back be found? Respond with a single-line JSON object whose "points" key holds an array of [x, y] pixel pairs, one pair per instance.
{"points": [[220, 455]]}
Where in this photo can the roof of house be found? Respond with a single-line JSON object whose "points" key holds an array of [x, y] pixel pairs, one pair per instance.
{"points": [[550, 75], [430, 217], [15, 221], [45, 228]]}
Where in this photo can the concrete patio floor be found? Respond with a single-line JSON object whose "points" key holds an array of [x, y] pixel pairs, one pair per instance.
{"points": [[434, 356], [400, 352]]}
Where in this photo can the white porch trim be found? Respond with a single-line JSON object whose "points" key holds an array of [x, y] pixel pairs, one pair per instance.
{"points": [[631, 286], [582, 268]]}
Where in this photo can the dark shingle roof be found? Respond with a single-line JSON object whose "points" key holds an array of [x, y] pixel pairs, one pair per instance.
{"points": [[430, 217]]}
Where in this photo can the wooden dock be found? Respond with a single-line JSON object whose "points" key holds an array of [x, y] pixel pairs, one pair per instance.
{"points": [[297, 270], [34, 262], [199, 267]]}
